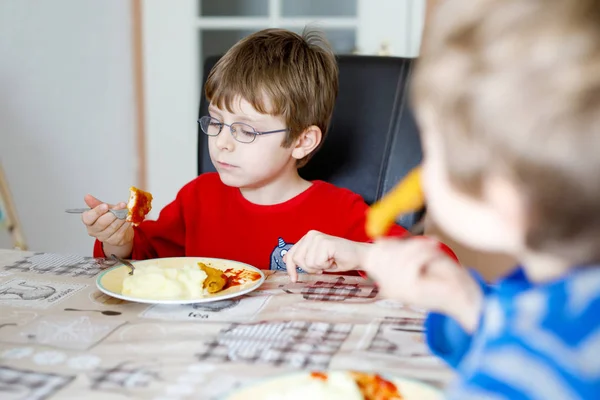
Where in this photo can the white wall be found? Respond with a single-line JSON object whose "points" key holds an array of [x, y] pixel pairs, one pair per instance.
{"points": [[66, 112], [172, 95]]}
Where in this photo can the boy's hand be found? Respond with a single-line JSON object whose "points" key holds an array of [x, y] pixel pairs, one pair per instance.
{"points": [[416, 271], [317, 252], [104, 226]]}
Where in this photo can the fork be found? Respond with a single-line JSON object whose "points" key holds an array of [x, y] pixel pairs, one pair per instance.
{"points": [[124, 262], [120, 214]]}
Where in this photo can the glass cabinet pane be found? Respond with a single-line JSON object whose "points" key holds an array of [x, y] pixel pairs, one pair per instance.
{"points": [[234, 8], [343, 41], [318, 8], [217, 42]]}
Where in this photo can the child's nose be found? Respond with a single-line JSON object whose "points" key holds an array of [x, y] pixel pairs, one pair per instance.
{"points": [[225, 140]]}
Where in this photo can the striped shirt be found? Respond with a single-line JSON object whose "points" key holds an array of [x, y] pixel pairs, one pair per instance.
{"points": [[534, 341]]}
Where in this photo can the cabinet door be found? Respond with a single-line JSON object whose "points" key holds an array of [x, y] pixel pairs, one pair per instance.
{"points": [[233, 8], [336, 18], [222, 23], [392, 27]]}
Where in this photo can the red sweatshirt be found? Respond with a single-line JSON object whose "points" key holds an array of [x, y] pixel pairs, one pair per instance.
{"points": [[210, 219]]}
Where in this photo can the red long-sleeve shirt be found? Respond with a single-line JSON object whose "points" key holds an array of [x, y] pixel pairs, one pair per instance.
{"points": [[210, 219]]}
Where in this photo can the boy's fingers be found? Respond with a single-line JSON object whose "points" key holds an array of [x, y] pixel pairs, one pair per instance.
{"points": [[90, 217], [332, 267], [103, 224], [114, 226], [120, 232], [320, 258], [292, 273], [91, 201], [322, 247], [290, 265], [299, 258]]}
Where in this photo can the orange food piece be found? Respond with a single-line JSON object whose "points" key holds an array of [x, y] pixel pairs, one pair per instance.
{"points": [[215, 279], [139, 205], [318, 375], [371, 386], [374, 387], [407, 196]]}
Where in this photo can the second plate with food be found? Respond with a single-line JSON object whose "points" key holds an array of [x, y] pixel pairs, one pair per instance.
{"points": [[336, 385], [162, 278]]}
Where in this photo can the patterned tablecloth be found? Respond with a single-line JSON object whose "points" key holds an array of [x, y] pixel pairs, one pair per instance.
{"points": [[61, 338]]}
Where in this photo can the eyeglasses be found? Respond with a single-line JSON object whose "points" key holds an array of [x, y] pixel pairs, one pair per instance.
{"points": [[241, 132]]}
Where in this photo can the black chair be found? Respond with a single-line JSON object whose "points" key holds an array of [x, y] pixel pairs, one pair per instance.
{"points": [[373, 139]]}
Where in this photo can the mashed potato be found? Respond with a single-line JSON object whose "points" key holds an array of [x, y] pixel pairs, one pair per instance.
{"points": [[155, 282], [337, 386]]}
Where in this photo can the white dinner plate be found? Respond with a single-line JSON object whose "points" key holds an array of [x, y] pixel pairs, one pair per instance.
{"points": [[111, 280], [302, 384]]}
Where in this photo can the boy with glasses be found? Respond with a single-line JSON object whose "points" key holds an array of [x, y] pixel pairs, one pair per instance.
{"points": [[271, 100]]}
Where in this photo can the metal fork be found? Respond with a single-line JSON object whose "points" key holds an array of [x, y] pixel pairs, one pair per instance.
{"points": [[120, 214], [124, 262]]}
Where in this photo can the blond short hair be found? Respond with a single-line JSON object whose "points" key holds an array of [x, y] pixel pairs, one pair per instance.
{"points": [[297, 73], [513, 86]]}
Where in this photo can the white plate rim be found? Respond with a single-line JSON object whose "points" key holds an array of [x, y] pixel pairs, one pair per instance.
{"points": [[266, 379], [211, 299]]}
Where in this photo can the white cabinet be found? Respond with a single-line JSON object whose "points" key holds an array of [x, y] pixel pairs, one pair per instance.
{"points": [[222, 23], [352, 26]]}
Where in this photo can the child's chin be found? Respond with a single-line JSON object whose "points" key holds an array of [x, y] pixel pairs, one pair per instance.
{"points": [[230, 180]]}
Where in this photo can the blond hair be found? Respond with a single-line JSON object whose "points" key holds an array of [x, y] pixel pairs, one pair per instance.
{"points": [[298, 74], [513, 86]]}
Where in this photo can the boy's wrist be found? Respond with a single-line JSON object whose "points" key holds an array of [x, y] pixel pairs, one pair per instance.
{"points": [[362, 252], [123, 251], [468, 306]]}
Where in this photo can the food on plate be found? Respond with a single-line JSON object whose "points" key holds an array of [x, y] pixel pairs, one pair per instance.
{"points": [[194, 280], [319, 386], [374, 387], [139, 205], [161, 282], [407, 196], [339, 385], [240, 276], [216, 279]]}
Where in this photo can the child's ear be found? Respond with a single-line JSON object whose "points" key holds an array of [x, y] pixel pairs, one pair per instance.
{"points": [[307, 142]]}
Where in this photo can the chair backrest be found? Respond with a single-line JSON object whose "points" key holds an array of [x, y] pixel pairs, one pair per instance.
{"points": [[373, 139]]}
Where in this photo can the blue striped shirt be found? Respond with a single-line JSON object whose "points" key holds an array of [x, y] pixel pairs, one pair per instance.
{"points": [[534, 341]]}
